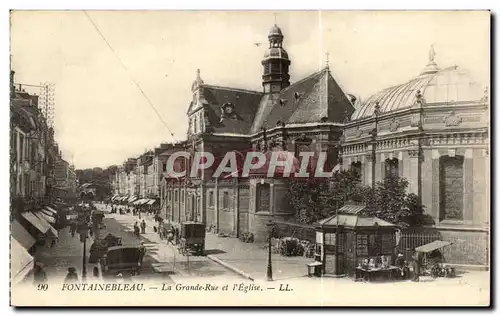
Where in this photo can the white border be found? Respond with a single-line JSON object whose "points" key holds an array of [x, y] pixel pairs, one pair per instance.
{"points": [[185, 5]]}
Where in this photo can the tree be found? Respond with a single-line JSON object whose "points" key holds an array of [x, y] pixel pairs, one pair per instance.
{"points": [[390, 201], [316, 199], [306, 198]]}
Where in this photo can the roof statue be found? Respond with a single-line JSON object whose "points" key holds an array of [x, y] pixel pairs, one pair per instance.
{"points": [[198, 81], [432, 53]]}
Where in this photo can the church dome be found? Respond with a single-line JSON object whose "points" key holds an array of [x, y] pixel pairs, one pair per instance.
{"points": [[449, 86], [276, 52], [275, 31]]}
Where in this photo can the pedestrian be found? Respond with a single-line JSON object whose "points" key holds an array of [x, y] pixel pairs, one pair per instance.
{"points": [[143, 252], [119, 278], [71, 277], [160, 230], [143, 227], [136, 229], [73, 229], [416, 267], [39, 275]]}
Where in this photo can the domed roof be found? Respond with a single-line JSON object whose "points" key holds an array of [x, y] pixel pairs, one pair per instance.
{"points": [[450, 85], [275, 31], [276, 52]]}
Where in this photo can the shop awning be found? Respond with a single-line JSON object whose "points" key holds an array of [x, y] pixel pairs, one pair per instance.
{"points": [[21, 235], [138, 202], [47, 212], [433, 246], [52, 232], [132, 199], [21, 262], [51, 209], [46, 217], [151, 202], [35, 221]]}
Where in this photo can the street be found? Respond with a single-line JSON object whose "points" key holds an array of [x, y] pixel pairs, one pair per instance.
{"points": [[162, 263]]}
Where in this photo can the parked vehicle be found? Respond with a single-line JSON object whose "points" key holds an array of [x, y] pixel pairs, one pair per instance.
{"points": [[192, 238], [122, 259]]}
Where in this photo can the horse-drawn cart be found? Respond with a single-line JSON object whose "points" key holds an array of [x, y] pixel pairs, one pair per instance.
{"points": [[192, 238]]}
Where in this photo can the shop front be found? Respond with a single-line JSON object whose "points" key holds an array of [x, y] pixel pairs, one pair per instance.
{"points": [[347, 240]]}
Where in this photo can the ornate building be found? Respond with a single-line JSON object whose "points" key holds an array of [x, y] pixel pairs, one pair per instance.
{"points": [[307, 115], [432, 130]]}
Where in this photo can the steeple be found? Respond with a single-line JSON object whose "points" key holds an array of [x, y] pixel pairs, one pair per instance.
{"points": [[276, 63], [431, 67]]}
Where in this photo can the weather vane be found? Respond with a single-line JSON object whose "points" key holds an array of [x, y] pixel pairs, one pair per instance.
{"points": [[327, 60]]}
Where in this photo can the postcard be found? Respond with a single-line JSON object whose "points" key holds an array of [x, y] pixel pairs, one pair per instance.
{"points": [[250, 158]]}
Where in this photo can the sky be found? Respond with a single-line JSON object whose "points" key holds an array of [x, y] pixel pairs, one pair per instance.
{"points": [[102, 118]]}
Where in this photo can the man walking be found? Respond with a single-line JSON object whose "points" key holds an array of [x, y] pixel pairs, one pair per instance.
{"points": [[143, 227]]}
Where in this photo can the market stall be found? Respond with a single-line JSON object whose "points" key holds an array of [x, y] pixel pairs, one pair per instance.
{"points": [[366, 243]]}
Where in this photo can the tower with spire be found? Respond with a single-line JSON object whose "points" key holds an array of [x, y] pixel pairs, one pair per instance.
{"points": [[276, 63]]}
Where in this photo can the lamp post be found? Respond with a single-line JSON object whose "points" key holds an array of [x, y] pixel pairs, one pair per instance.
{"points": [[270, 227], [83, 229]]}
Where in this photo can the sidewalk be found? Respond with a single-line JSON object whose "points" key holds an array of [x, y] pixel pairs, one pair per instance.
{"points": [[252, 258]]}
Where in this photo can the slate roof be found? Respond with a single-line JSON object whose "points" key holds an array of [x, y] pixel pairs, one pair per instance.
{"points": [[309, 100], [245, 102]]}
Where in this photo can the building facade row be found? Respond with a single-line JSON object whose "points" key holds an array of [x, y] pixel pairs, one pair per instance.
{"points": [[36, 166]]}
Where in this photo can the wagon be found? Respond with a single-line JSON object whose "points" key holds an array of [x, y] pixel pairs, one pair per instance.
{"points": [[192, 238], [123, 259]]}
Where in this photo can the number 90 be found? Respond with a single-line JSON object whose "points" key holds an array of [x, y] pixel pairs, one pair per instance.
{"points": [[42, 287]]}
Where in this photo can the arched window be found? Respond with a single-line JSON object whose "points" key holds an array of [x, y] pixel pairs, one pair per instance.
{"points": [[451, 183], [392, 167], [263, 197]]}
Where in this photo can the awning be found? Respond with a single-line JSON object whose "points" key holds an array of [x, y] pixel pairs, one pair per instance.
{"points": [[151, 202], [137, 202], [52, 232], [47, 212], [42, 226], [433, 246], [132, 199], [50, 209], [46, 217], [21, 235], [21, 262]]}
